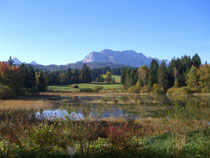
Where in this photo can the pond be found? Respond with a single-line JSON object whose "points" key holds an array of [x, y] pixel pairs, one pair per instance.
{"points": [[128, 106]]}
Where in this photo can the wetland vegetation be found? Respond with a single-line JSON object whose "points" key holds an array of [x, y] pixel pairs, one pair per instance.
{"points": [[105, 125]]}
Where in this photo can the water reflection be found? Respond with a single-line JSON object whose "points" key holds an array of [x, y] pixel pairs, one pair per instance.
{"points": [[130, 107], [62, 114]]}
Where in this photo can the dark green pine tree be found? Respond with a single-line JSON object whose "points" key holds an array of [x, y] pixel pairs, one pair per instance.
{"points": [[133, 77], [69, 76], [76, 76], [123, 76], [163, 77], [187, 63], [31, 77], [28, 76], [10, 61], [85, 75], [40, 82], [153, 72], [99, 78], [196, 61], [128, 79]]}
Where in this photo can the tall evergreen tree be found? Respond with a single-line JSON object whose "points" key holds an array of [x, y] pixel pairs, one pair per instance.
{"points": [[133, 77], [40, 81], [163, 77], [153, 72], [28, 76], [85, 75], [69, 76], [10, 61], [123, 76], [76, 76], [196, 61]]}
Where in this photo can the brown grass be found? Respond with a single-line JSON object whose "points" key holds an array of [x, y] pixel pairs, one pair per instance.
{"points": [[24, 104]]}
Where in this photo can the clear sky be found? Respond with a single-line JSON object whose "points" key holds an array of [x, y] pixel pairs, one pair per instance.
{"points": [[65, 31]]}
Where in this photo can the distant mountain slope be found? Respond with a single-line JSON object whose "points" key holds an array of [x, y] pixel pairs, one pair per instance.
{"points": [[127, 57], [16, 61], [105, 58], [93, 65]]}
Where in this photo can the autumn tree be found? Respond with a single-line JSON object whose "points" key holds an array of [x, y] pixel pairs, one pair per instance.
{"points": [[143, 75], [192, 78], [10, 76], [108, 78], [204, 78], [63, 78]]}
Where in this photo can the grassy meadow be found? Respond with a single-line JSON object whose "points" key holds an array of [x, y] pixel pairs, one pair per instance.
{"points": [[70, 88], [117, 78]]}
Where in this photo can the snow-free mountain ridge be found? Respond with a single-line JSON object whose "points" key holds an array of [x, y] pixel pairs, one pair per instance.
{"points": [[104, 58], [127, 57]]}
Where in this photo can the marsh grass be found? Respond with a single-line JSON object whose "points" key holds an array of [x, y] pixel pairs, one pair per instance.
{"points": [[24, 104], [179, 127]]}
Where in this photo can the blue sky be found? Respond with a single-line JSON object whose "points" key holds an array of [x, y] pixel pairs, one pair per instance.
{"points": [[65, 31]]}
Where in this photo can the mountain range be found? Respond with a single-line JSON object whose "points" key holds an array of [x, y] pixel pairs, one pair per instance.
{"points": [[127, 57], [104, 58]]}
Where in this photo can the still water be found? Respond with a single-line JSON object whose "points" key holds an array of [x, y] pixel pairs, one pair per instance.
{"points": [[129, 107]]}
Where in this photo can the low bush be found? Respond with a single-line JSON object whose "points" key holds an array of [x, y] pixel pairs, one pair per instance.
{"points": [[146, 89], [43, 138], [91, 90], [6, 92], [21, 92], [205, 90], [87, 90], [179, 91], [33, 90], [134, 89], [98, 89], [157, 90], [75, 86]]}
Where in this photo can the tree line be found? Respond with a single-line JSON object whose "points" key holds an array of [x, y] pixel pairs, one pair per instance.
{"points": [[74, 76], [24, 79], [184, 74], [19, 80]]}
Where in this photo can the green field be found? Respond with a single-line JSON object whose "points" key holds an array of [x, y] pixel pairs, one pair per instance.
{"points": [[116, 77], [105, 86]]}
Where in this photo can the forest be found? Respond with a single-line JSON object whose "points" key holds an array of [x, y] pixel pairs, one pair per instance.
{"points": [[26, 80], [182, 76]]}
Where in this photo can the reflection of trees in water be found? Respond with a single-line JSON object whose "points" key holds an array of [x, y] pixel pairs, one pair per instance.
{"points": [[190, 107], [133, 106]]}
